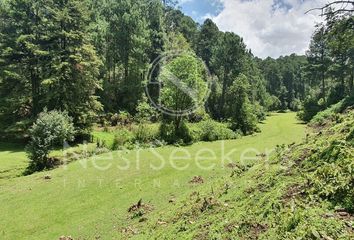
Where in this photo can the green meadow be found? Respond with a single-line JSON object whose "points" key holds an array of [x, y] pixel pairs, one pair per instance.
{"points": [[90, 198]]}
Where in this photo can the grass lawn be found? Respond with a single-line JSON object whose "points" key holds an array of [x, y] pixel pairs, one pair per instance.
{"points": [[13, 160], [89, 199]]}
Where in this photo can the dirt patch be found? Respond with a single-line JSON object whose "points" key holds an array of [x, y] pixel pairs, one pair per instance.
{"points": [[249, 190], [293, 192], [340, 213], [197, 180], [232, 165], [209, 203], [262, 156], [47, 177], [66, 238], [129, 231], [256, 229], [230, 227], [139, 209]]}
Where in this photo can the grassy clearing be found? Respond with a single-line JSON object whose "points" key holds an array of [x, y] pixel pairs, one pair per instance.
{"points": [[13, 160], [84, 202]]}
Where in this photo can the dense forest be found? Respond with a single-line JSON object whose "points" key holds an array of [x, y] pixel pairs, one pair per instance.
{"points": [[128, 119], [92, 59]]}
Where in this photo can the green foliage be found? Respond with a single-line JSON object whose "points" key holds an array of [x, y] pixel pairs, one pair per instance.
{"points": [[274, 103], [184, 88], [207, 40], [50, 130], [121, 118], [122, 138], [210, 130], [259, 111], [115, 180], [182, 75], [50, 59], [311, 107], [145, 133], [286, 80], [333, 178], [175, 135], [240, 109], [176, 21], [228, 62], [145, 112], [331, 113], [129, 40], [295, 105], [199, 115]]}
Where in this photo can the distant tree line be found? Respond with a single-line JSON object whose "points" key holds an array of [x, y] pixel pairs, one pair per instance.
{"points": [[90, 58]]}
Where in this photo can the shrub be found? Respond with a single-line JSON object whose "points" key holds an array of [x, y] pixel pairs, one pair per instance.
{"points": [[145, 113], [210, 130], [274, 103], [198, 116], [122, 137], [333, 178], [259, 111], [171, 134], [311, 107], [50, 130], [323, 116], [145, 133], [121, 118], [336, 94], [295, 105], [330, 113]]}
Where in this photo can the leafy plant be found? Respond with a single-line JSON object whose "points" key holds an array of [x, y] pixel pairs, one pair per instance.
{"points": [[122, 137], [145, 133], [50, 130], [210, 130]]}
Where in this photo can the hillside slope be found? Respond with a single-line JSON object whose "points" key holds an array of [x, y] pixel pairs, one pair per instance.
{"points": [[304, 192], [87, 203]]}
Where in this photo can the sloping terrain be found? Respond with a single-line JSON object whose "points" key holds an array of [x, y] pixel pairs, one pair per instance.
{"points": [[304, 192], [90, 199]]}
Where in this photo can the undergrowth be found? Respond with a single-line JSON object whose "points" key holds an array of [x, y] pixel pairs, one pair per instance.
{"points": [[304, 192]]}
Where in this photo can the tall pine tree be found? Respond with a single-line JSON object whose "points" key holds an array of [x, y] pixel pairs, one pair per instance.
{"points": [[72, 78]]}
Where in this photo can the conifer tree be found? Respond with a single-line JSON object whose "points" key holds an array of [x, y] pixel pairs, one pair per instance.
{"points": [[23, 55], [72, 78]]}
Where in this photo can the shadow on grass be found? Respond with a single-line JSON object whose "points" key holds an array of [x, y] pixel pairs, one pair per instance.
{"points": [[11, 147]]}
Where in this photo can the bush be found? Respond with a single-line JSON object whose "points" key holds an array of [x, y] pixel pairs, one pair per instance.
{"points": [[274, 103], [331, 112], [50, 130], [311, 107], [123, 118], [145, 133], [295, 105], [210, 130], [198, 116], [259, 111], [336, 94], [171, 134], [145, 113], [122, 137]]}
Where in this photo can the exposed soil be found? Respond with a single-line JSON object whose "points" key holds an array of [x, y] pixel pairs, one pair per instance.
{"points": [[139, 209], [197, 180], [65, 238]]}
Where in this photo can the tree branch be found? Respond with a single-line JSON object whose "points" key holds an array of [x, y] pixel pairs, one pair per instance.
{"points": [[334, 3]]}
